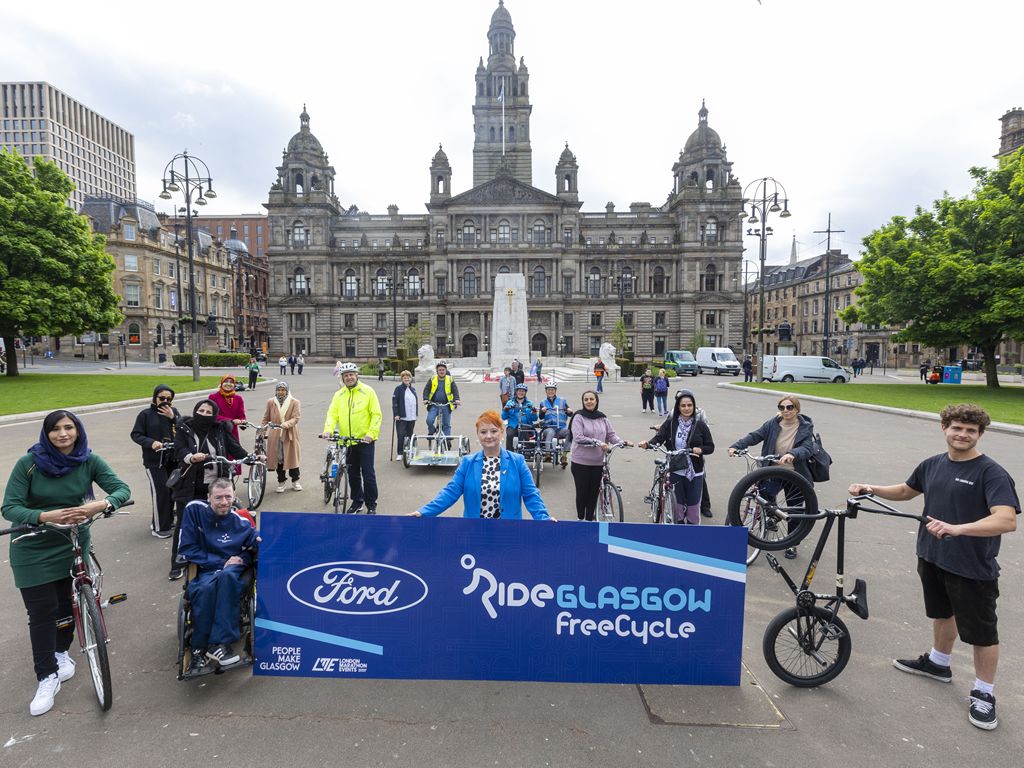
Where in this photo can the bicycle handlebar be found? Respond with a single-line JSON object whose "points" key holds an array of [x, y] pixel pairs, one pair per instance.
{"points": [[678, 452], [347, 440], [31, 529]]}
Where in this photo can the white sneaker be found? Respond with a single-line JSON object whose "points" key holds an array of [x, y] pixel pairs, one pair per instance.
{"points": [[43, 702], [281, 487], [296, 486], [65, 666], [398, 457]]}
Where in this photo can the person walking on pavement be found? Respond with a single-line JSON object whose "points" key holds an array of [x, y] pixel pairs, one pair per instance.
{"points": [[518, 373], [600, 371], [661, 392], [969, 502], [154, 430], [253, 367], [748, 369], [301, 362], [355, 412], [380, 369], [405, 411], [283, 444], [506, 386], [282, 364], [924, 370], [647, 392]]}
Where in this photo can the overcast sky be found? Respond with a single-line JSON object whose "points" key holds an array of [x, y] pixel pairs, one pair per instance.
{"points": [[862, 109]]}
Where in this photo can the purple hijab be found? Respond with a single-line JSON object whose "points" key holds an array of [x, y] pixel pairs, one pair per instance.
{"points": [[52, 462]]}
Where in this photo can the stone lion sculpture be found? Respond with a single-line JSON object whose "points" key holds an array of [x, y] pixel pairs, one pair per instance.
{"points": [[426, 355], [607, 355]]}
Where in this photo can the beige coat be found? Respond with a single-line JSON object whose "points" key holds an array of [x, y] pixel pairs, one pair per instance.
{"points": [[289, 432]]}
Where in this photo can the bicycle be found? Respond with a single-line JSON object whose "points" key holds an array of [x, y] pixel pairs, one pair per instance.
{"points": [[753, 504], [661, 497], [335, 475], [809, 645], [256, 482], [527, 441], [434, 429], [86, 599], [609, 497]]}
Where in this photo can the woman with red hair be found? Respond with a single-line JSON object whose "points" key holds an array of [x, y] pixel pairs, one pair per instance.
{"points": [[492, 482]]}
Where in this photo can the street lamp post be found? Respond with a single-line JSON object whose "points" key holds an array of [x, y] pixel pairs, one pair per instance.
{"points": [[760, 198], [746, 308], [177, 272], [185, 174]]}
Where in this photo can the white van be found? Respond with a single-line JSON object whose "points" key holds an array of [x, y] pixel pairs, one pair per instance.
{"points": [[717, 360], [789, 368]]}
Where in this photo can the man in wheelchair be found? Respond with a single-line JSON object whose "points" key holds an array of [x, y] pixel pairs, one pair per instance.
{"points": [[555, 412], [220, 543]]}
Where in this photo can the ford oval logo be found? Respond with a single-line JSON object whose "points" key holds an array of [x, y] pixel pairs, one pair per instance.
{"points": [[357, 588]]}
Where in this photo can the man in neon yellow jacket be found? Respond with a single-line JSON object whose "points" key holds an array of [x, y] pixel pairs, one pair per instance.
{"points": [[355, 412]]}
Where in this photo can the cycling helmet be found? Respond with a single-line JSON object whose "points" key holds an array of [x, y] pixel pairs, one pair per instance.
{"points": [[551, 385], [523, 387], [439, 363], [343, 368]]}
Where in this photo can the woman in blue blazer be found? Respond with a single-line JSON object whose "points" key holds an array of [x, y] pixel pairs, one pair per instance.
{"points": [[492, 482]]}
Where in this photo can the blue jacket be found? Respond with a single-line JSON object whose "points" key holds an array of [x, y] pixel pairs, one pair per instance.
{"points": [[768, 433], [398, 400], [556, 414], [514, 409], [208, 540], [517, 489]]}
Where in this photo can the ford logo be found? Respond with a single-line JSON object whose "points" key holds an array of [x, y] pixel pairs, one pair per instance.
{"points": [[357, 588]]}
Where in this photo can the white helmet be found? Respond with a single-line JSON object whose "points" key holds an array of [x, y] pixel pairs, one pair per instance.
{"points": [[439, 363], [343, 368]]}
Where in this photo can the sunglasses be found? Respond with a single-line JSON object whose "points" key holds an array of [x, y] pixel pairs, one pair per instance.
{"points": [[164, 399], [787, 407]]}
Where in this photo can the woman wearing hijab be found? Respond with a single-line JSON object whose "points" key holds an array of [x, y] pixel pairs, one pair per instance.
{"points": [[230, 408], [283, 443], [53, 483], [199, 438], [684, 430], [591, 427]]}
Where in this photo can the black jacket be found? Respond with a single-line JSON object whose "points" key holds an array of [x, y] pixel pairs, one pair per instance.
{"points": [[700, 437], [193, 485], [150, 427], [768, 433], [398, 400]]}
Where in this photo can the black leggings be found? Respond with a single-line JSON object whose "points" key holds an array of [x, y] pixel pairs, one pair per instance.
{"points": [[588, 486], [647, 399], [51, 624]]}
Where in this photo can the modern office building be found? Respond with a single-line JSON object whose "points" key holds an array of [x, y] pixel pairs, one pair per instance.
{"points": [[346, 283], [39, 120]]}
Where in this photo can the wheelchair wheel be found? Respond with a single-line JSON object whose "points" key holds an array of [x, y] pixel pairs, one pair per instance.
{"points": [[247, 623], [406, 448], [184, 637]]}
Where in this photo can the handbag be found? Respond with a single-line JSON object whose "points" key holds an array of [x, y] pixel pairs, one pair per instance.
{"points": [[174, 479], [819, 461]]}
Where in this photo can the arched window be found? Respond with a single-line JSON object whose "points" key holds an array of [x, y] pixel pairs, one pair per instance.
{"points": [[299, 183], [134, 334], [594, 283], [540, 281], [413, 284], [299, 235], [470, 285], [492, 133], [298, 284], [658, 281], [504, 231], [710, 278], [381, 283], [539, 231], [159, 334], [350, 285], [511, 133], [469, 233], [709, 174], [479, 89], [567, 183], [627, 280]]}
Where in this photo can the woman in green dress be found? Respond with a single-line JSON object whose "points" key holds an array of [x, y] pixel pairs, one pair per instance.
{"points": [[53, 483]]}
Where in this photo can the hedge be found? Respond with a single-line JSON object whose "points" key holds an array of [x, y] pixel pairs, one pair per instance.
{"points": [[212, 359]]}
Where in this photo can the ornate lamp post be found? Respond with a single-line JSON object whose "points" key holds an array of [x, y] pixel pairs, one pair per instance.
{"points": [[760, 198], [190, 176]]}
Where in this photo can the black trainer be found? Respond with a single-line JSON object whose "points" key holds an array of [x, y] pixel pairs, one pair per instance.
{"points": [[199, 665], [924, 666], [791, 553], [371, 509], [357, 506], [175, 573], [982, 713], [224, 655]]}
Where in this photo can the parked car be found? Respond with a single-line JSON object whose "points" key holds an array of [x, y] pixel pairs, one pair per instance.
{"points": [[717, 360], [787, 368], [680, 361]]}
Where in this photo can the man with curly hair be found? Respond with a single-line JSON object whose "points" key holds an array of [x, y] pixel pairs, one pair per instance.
{"points": [[969, 502]]}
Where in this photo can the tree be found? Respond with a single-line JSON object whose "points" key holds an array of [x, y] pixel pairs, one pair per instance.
{"points": [[620, 338], [415, 336], [953, 274], [54, 271], [699, 340]]}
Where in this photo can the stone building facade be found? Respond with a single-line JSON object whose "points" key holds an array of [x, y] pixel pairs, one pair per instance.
{"points": [[346, 283]]}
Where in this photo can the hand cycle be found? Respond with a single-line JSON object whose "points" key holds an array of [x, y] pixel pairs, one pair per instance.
{"points": [[527, 441], [256, 481], [661, 497], [434, 425], [335, 475], [809, 645], [754, 504], [87, 602], [609, 497], [558, 452]]}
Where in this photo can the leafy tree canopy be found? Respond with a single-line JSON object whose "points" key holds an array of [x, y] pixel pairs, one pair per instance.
{"points": [[54, 271], [953, 274]]}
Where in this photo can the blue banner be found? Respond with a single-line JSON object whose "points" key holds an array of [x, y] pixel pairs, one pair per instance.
{"points": [[467, 599]]}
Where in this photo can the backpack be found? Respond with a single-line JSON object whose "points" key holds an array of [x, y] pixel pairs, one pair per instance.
{"points": [[660, 385], [819, 461]]}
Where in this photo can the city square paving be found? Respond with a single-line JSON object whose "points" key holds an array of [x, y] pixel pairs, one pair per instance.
{"points": [[871, 715]]}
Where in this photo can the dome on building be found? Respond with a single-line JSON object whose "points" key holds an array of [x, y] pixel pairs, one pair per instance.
{"points": [[304, 140], [705, 137], [440, 158], [567, 156], [501, 16], [234, 244]]}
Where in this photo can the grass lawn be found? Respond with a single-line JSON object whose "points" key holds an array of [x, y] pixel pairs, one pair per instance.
{"points": [[49, 391], [1005, 404]]}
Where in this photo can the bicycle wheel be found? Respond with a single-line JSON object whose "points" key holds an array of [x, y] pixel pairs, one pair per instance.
{"points": [[94, 643], [751, 516], [340, 489], [806, 648], [406, 448], [763, 487], [609, 503], [257, 484], [536, 466], [327, 480]]}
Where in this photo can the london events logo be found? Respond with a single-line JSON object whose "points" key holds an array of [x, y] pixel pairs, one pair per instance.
{"points": [[358, 588]]}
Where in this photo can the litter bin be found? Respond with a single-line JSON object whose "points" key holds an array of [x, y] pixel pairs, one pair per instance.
{"points": [[951, 374], [162, 357]]}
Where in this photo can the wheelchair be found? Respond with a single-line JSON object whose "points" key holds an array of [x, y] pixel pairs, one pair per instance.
{"points": [[246, 622]]}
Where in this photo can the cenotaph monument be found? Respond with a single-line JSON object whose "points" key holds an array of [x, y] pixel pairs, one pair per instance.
{"points": [[510, 330]]}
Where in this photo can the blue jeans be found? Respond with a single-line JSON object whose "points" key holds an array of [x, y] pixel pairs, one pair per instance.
{"points": [[435, 409], [362, 478], [662, 401], [215, 598], [600, 384]]}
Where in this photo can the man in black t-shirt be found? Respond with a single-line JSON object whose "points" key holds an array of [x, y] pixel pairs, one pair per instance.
{"points": [[969, 501]]}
